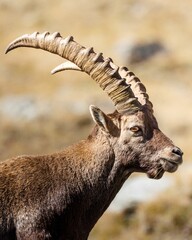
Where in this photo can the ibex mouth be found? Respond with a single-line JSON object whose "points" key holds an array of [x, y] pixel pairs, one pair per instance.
{"points": [[166, 165], [169, 165]]}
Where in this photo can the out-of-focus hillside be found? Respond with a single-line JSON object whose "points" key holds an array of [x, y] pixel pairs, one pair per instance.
{"points": [[41, 113]]}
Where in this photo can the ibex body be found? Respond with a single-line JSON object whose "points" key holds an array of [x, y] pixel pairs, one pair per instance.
{"points": [[62, 195]]}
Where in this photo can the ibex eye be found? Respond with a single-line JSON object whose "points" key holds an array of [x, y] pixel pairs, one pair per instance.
{"points": [[135, 129]]}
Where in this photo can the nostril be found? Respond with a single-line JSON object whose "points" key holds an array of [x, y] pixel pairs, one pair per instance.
{"points": [[177, 151]]}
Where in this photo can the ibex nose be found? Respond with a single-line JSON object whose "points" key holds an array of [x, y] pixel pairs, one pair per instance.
{"points": [[177, 151]]}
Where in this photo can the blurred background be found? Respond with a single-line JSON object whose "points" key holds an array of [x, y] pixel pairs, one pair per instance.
{"points": [[41, 113]]}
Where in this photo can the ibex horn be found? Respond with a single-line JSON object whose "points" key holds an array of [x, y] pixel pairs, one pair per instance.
{"points": [[137, 87], [66, 66], [103, 71]]}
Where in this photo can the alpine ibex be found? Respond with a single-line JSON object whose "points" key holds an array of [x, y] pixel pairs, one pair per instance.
{"points": [[62, 195]]}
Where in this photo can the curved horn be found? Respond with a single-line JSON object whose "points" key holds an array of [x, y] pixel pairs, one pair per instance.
{"points": [[137, 87], [65, 66], [103, 71]]}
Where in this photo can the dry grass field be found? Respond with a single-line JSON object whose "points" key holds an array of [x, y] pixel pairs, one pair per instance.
{"points": [[41, 113]]}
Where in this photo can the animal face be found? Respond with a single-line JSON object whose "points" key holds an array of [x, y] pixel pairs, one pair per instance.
{"points": [[151, 151], [138, 143]]}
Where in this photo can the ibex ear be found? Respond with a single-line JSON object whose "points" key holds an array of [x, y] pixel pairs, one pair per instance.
{"points": [[100, 118]]}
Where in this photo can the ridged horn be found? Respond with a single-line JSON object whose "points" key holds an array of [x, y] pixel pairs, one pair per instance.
{"points": [[102, 70], [137, 87]]}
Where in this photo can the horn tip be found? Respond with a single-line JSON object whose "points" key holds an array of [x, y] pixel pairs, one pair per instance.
{"points": [[9, 48], [55, 70]]}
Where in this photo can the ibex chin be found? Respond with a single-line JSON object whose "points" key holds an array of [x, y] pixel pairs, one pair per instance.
{"points": [[62, 195]]}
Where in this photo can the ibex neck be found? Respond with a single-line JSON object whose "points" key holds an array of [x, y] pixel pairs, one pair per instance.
{"points": [[98, 178]]}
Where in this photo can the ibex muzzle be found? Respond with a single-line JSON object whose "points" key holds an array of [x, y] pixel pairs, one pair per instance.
{"points": [[62, 195]]}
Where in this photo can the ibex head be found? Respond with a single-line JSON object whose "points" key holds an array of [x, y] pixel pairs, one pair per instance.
{"points": [[138, 143], [132, 130]]}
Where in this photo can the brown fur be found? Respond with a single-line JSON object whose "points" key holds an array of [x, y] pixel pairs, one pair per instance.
{"points": [[61, 196]]}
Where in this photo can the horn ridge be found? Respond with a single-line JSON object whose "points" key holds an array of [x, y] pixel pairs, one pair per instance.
{"points": [[101, 69], [137, 87]]}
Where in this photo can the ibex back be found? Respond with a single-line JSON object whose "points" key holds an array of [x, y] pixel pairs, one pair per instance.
{"points": [[62, 195]]}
